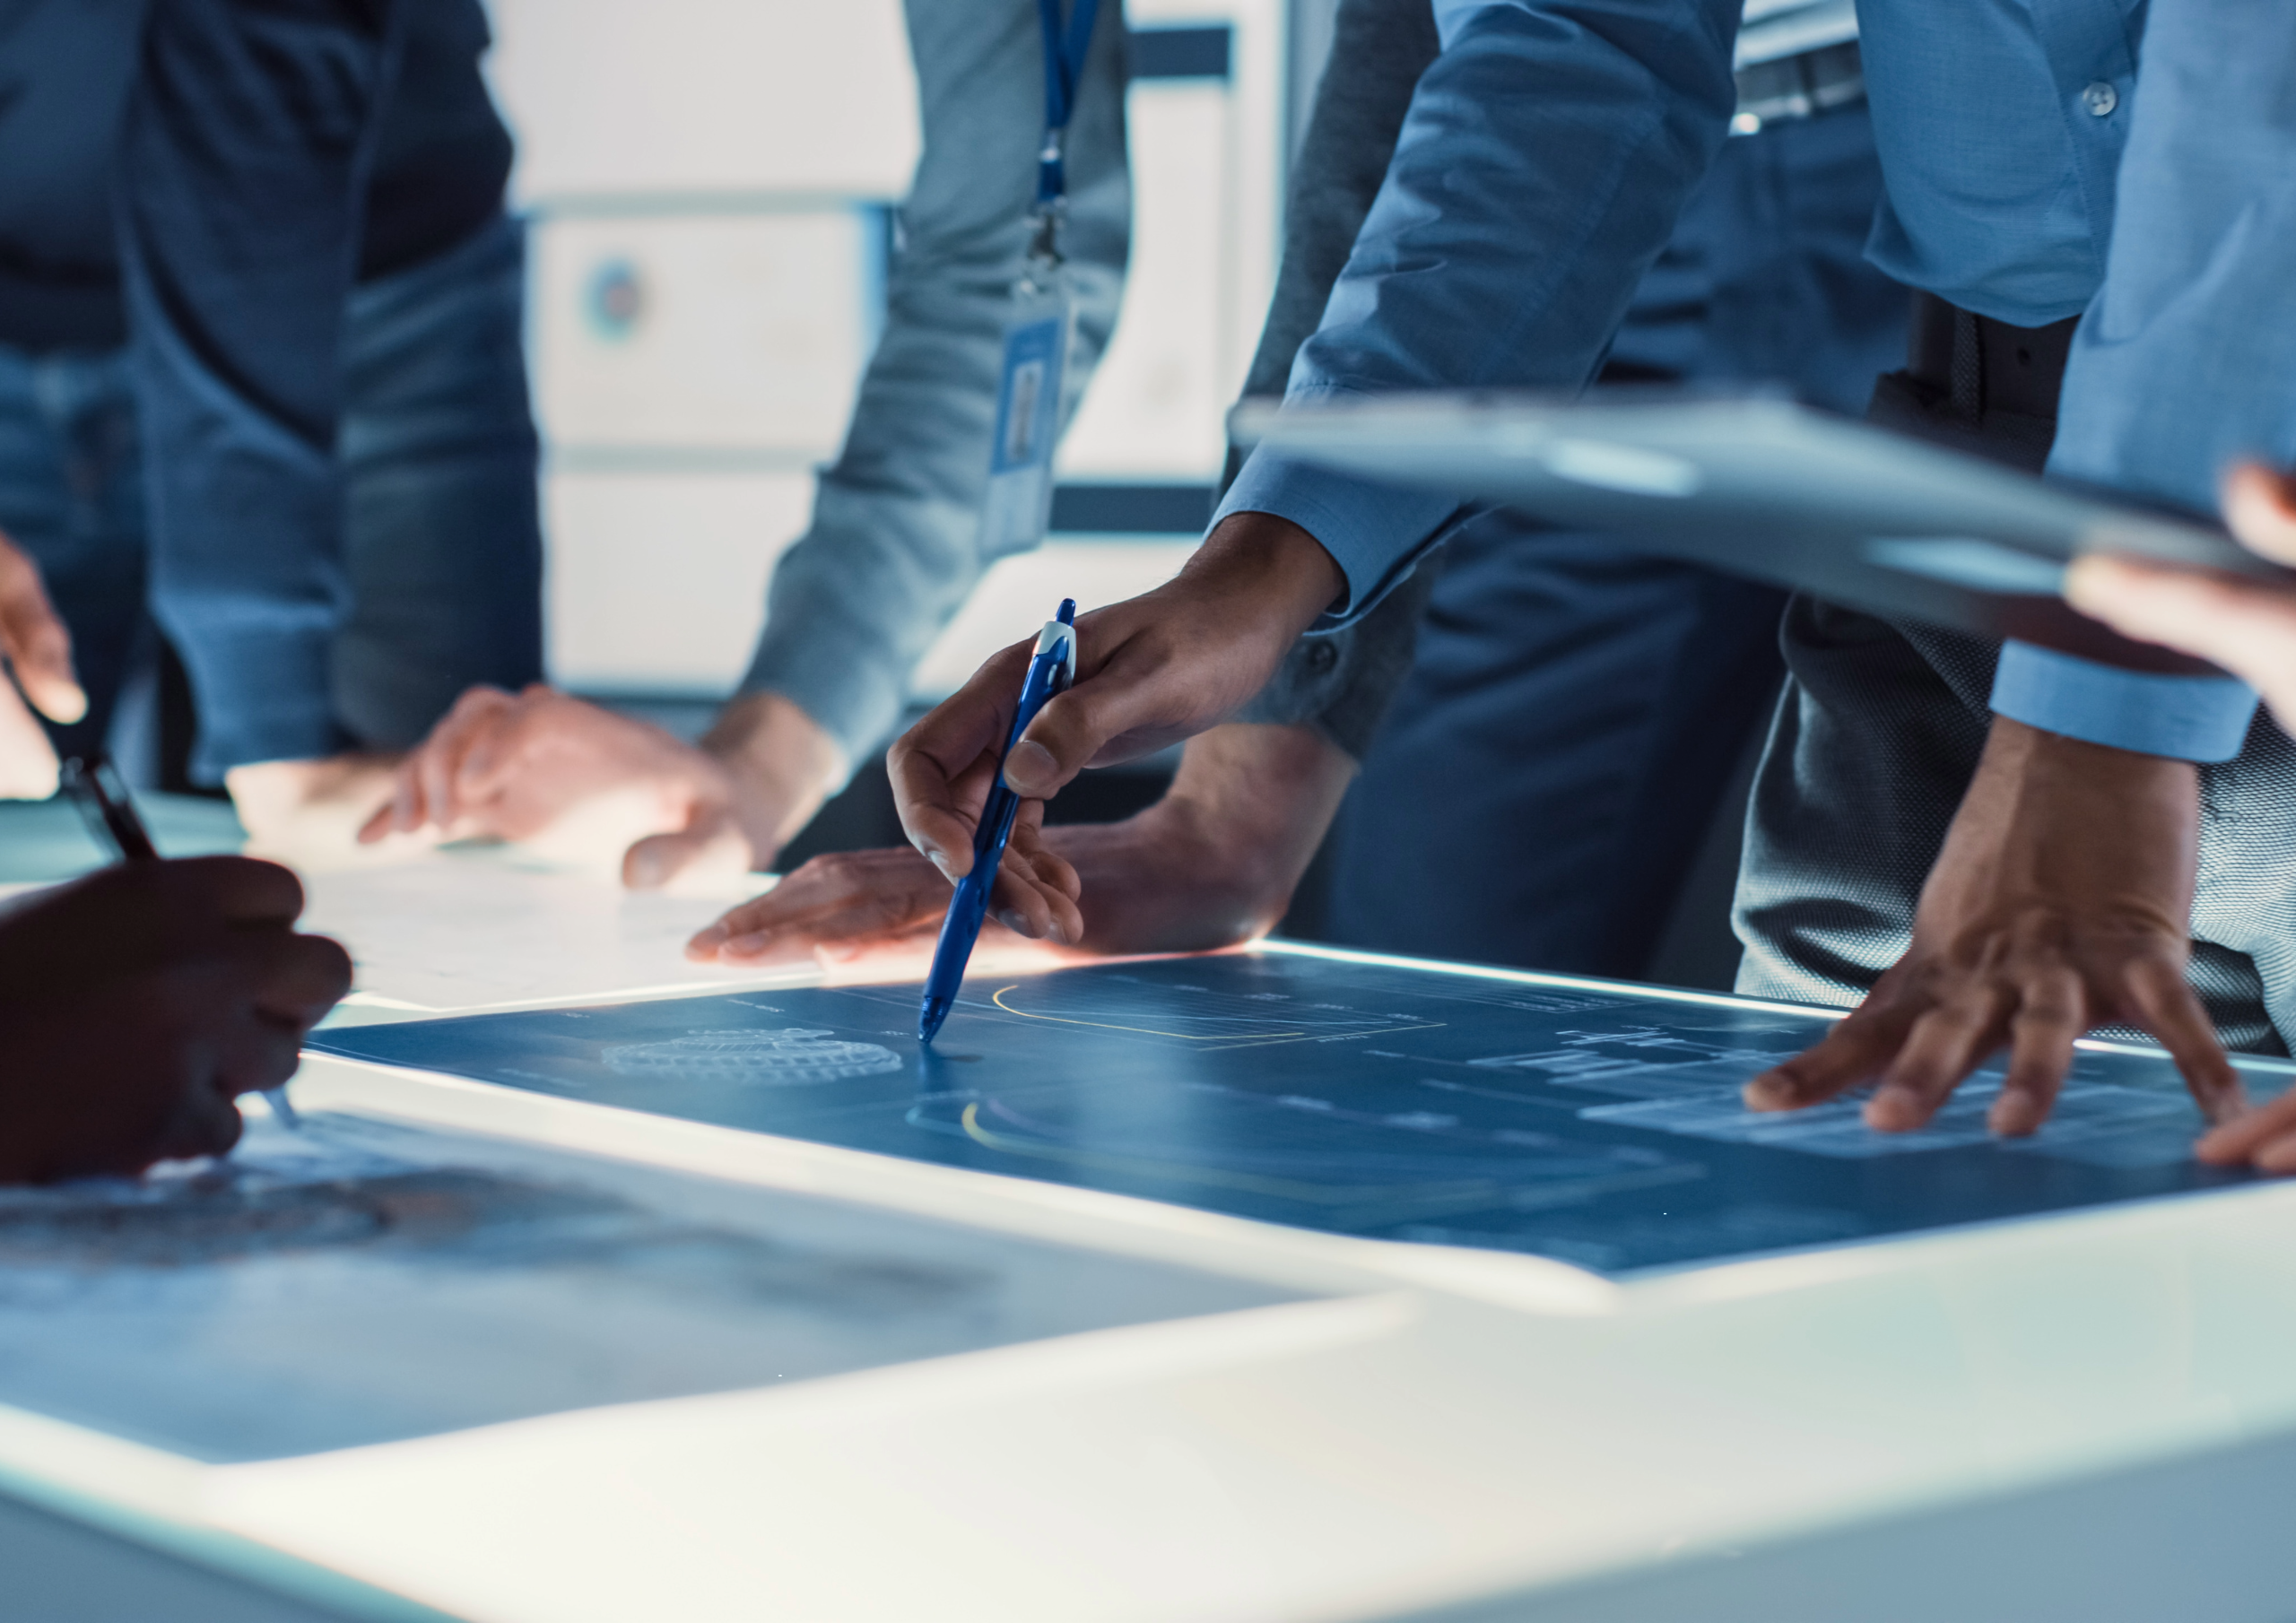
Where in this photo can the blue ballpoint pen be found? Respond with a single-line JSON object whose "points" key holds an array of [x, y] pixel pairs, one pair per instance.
{"points": [[1049, 673], [95, 786]]}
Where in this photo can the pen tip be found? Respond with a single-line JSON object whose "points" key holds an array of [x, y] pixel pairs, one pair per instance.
{"points": [[930, 1018]]}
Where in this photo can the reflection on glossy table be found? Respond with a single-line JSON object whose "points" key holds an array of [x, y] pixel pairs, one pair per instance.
{"points": [[2087, 1415]]}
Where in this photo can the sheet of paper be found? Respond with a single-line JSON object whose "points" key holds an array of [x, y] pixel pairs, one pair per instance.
{"points": [[466, 929], [358, 1282], [1598, 1126]]}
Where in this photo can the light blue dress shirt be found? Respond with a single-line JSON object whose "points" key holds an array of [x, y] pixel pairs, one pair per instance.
{"points": [[1549, 147]]}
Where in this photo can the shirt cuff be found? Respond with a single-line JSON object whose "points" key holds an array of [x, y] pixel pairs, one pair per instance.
{"points": [[837, 672], [2196, 718], [1375, 532]]}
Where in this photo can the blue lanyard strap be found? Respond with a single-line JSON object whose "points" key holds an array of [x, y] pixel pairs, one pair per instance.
{"points": [[1063, 62]]}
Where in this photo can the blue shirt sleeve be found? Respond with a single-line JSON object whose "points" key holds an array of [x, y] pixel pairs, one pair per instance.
{"points": [[2199, 718], [2184, 358], [1545, 156], [895, 545]]}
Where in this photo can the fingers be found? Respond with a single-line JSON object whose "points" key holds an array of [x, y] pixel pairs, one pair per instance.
{"points": [[297, 980], [2266, 1137], [240, 893], [937, 767], [2260, 504], [2051, 1018], [710, 842], [28, 769], [1943, 1046], [424, 791], [844, 898], [438, 764], [1857, 1049], [200, 1121], [2242, 625], [33, 637], [2162, 1003]]}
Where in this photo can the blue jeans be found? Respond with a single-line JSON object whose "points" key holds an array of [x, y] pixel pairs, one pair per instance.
{"points": [[443, 537], [1574, 713]]}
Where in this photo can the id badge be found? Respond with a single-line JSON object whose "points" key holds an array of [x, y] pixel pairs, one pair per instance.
{"points": [[1019, 505]]}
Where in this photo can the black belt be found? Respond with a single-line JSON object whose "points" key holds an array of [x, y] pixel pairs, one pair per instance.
{"points": [[1798, 87], [1991, 389]]}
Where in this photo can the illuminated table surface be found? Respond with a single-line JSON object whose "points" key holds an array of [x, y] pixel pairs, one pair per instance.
{"points": [[2086, 1415]]}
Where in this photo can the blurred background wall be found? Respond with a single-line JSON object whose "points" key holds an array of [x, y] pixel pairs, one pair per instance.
{"points": [[711, 185]]}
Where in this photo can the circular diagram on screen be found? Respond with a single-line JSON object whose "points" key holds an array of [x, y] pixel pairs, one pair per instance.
{"points": [[766, 1059]]}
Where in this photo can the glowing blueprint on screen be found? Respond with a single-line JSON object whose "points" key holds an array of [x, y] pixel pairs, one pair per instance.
{"points": [[1600, 1127], [360, 1282]]}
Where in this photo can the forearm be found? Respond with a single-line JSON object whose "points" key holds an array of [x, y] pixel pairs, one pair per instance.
{"points": [[895, 544]]}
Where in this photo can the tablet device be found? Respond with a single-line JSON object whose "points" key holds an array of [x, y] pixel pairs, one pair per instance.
{"points": [[1754, 484]]}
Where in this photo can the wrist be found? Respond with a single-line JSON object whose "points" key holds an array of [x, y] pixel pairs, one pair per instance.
{"points": [[1274, 560], [780, 765]]}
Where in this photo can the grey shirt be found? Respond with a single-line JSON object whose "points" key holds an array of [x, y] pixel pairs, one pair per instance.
{"points": [[895, 545]]}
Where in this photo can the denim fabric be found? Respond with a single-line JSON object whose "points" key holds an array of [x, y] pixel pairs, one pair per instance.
{"points": [[242, 170], [442, 534], [1575, 714], [894, 548], [442, 546]]}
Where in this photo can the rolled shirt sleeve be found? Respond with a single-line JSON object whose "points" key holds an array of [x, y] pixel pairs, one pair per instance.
{"points": [[2184, 359], [895, 544], [1544, 156]]}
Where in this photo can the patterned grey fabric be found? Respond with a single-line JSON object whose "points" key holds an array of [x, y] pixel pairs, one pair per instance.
{"points": [[1875, 742]]}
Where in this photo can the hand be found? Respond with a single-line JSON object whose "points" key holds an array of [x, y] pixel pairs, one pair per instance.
{"points": [[309, 810], [2246, 626], [2062, 901], [38, 650], [136, 1003], [844, 904], [1211, 863], [517, 767], [1151, 671]]}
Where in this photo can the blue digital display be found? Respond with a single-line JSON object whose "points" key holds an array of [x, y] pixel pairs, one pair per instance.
{"points": [[1597, 1125]]}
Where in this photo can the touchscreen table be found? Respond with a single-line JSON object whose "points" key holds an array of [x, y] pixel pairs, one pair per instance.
{"points": [[1599, 1125]]}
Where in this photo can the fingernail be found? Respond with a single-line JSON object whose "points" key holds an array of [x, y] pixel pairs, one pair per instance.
{"points": [[1028, 767], [1894, 1108], [645, 869], [71, 705], [708, 940], [1768, 1093], [1012, 920], [2014, 1115], [839, 952], [940, 861], [747, 946]]}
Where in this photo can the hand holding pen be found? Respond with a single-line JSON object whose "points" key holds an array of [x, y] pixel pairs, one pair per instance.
{"points": [[137, 1003], [1051, 668]]}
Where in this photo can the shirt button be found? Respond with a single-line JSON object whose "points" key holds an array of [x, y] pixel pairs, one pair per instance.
{"points": [[1322, 655], [2100, 98]]}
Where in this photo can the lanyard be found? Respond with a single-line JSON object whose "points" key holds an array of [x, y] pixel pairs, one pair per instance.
{"points": [[1064, 61]]}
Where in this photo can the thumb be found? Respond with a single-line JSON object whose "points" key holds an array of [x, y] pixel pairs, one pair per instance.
{"points": [[659, 858], [2260, 504], [33, 637], [28, 764]]}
